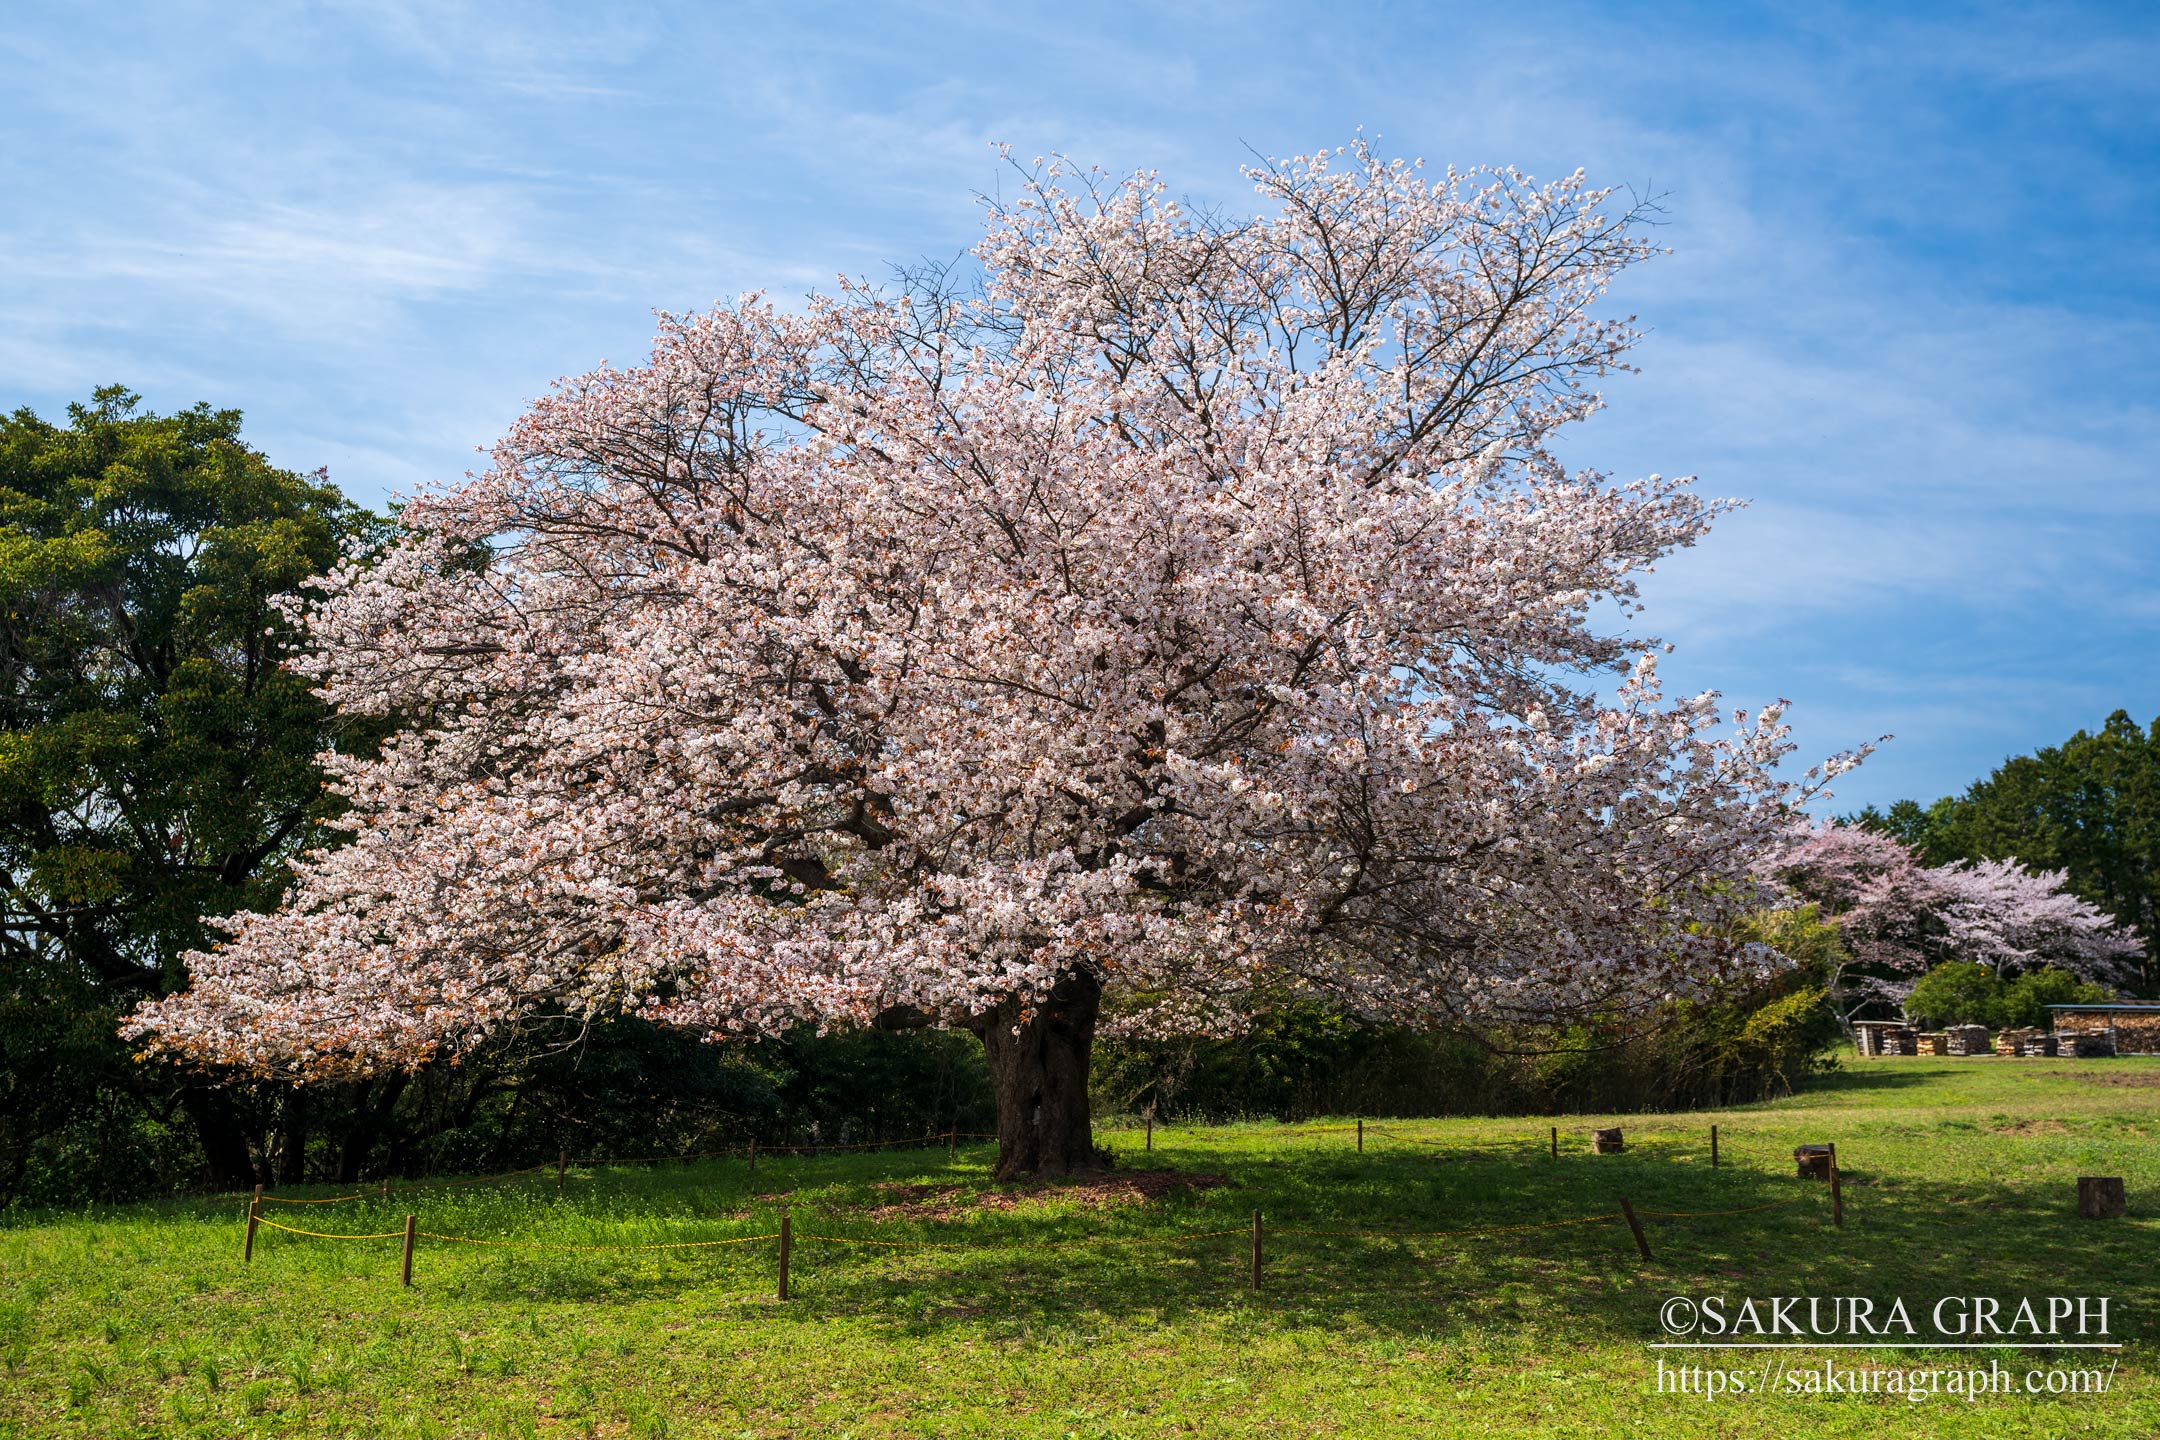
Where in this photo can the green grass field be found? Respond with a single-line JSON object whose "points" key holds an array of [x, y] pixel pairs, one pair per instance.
{"points": [[1959, 1180]]}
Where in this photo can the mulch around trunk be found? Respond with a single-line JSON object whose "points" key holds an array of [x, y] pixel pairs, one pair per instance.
{"points": [[1091, 1192]]}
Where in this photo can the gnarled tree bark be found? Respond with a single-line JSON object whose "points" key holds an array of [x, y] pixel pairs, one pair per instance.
{"points": [[1039, 1073]]}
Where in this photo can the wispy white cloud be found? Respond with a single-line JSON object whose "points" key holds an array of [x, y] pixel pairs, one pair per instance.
{"points": [[1912, 310]]}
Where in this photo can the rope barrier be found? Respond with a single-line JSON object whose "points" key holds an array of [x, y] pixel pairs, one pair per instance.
{"points": [[549, 1245], [545, 1165], [1092, 1240], [860, 1145], [477, 1180], [1706, 1214], [328, 1200], [1461, 1146], [326, 1235], [786, 1238], [1084, 1242], [1435, 1234]]}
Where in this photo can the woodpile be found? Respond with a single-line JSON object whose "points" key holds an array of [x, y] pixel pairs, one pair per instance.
{"points": [[2038, 1045], [2012, 1042], [2085, 1044], [1933, 1042], [1867, 1035], [1896, 1040], [1968, 1040], [1606, 1142], [2136, 1028]]}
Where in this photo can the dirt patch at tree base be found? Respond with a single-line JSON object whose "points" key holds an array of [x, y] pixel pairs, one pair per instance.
{"points": [[1091, 1192]]}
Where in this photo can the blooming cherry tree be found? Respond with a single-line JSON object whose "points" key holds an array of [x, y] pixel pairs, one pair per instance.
{"points": [[2000, 914], [1897, 916], [1887, 906], [1179, 607]]}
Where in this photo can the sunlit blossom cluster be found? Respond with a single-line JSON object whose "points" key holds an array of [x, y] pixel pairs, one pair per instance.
{"points": [[1190, 601]]}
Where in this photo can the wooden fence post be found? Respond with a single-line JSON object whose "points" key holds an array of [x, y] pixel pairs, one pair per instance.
{"points": [[1635, 1225], [247, 1254], [952, 1144], [410, 1222], [1837, 1191], [753, 1154], [787, 1242], [1361, 1137], [1556, 1142], [1256, 1249], [386, 1187], [562, 1163], [1151, 1129], [1713, 1147]]}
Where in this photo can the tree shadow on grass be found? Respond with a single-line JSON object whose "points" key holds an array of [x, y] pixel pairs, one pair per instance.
{"points": [[1571, 1284]]}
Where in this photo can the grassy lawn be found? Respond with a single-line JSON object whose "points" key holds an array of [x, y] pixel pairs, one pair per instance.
{"points": [[1959, 1181]]}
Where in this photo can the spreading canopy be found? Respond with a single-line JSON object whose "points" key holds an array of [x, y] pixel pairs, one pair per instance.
{"points": [[1897, 916], [1190, 604]]}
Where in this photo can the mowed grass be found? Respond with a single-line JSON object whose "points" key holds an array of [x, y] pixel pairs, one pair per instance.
{"points": [[1959, 1180]]}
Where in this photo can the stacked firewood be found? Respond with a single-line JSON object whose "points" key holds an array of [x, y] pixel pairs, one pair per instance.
{"points": [[2012, 1042], [1967, 1039], [1933, 1042], [1896, 1040]]}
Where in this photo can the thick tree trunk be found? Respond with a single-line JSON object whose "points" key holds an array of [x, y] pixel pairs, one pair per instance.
{"points": [[223, 1138], [372, 1107], [293, 1137], [1040, 1077]]}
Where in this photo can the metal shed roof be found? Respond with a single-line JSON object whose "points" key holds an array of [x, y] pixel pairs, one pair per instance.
{"points": [[2147, 1006]]}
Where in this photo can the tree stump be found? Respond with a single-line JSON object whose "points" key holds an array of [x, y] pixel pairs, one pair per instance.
{"points": [[1814, 1161], [2100, 1197], [1607, 1142]]}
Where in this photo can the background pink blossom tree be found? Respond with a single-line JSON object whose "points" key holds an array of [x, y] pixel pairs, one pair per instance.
{"points": [[2004, 916], [1184, 606], [1897, 917]]}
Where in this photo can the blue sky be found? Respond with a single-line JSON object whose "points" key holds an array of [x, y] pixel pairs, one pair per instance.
{"points": [[1913, 314]]}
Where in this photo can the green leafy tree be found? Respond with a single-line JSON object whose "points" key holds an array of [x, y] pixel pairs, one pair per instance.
{"points": [[2025, 999], [1957, 992], [156, 763]]}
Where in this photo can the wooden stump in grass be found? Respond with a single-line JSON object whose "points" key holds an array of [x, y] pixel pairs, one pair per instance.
{"points": [[1607, 1142], [2100, 1197], [1814, 1161]]}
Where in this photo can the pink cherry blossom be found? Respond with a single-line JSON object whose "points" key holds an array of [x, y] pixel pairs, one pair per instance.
{"points": [[1186, 607], [1897, 917]]}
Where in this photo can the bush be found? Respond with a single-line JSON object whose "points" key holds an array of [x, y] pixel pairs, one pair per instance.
{"points": [[2025, 999], [1958, 992], [1300, 1060]]}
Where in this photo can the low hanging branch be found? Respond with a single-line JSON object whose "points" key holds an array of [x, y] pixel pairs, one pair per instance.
{"points": [[1182, 609]]}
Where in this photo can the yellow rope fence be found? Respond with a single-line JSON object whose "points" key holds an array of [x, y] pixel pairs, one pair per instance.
{"points": [[411, 1233], [942, 1136], [329, 1234], [1085, 1242], [556, 1245], [732, 1152]]}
